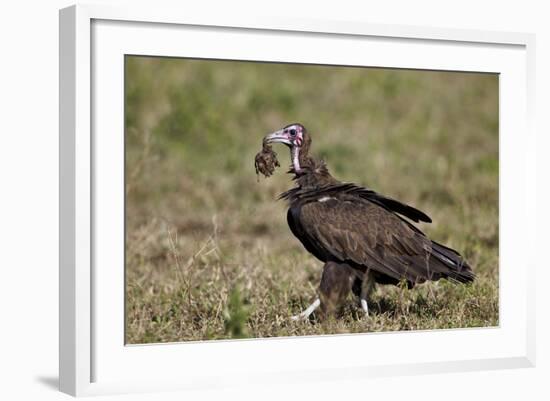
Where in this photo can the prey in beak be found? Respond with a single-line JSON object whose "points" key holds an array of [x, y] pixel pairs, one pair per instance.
{"points": [[293, 136]]}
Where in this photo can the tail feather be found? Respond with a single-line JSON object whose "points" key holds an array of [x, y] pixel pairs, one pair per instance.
{"points": [[458, 269]]}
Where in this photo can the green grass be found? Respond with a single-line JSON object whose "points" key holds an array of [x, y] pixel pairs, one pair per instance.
{"points": [[208, 251]]}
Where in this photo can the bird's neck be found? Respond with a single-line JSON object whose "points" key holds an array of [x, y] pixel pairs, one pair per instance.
{"points": [[301, 161], [309, 172], [295, 157], [309, 175]]}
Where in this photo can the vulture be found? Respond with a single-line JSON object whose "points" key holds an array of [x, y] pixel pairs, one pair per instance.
{"points": [[361, 236]]}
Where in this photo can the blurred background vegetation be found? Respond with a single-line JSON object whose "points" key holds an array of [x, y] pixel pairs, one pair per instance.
{"points": [[208, 251]]}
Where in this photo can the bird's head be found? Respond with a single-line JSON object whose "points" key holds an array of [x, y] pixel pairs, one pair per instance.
{"points": [[292, 135], [296, 137]]}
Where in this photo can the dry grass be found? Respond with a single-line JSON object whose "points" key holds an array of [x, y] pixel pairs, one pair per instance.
{"points": [[208, 251]]}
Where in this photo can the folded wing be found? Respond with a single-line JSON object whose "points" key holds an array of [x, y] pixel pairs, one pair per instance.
{"points": [[353, 229]]}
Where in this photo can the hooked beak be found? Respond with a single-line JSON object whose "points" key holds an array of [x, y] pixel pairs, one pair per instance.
{"points": [[278, 137]]}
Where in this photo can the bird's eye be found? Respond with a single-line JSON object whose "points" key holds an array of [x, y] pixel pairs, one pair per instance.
{"points": [[292, 132]]}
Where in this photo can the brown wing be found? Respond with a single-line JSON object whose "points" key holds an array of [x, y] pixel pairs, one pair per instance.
{"points": [[356, 230]]}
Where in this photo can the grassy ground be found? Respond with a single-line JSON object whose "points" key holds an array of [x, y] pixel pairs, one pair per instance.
{"points": [[208, 251]]}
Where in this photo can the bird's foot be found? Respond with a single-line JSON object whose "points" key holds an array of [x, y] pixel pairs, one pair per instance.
{"points": [[308, 311], [365, 307]]}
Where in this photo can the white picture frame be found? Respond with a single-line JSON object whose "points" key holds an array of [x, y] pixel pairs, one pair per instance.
{"points": [[93, 356]]}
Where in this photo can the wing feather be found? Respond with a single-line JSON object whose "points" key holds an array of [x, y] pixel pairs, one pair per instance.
{"points": [[364, 233]]}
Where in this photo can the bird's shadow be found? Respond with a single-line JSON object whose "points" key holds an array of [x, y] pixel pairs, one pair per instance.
{"points": [[380, 307]]}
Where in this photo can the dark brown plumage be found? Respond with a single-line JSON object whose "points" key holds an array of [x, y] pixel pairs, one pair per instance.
{"points": [[365, 233]]}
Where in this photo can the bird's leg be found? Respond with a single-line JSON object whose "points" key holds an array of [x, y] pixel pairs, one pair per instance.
{"points": [[335, 287], [308, 311], [366, 289]]}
